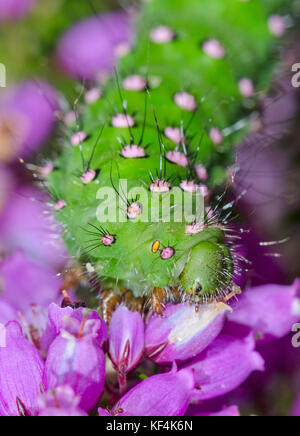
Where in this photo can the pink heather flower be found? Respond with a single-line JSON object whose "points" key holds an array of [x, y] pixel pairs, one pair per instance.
{"points": [[55, 323], [269, 310], [296, 407], [126, 339], [61, 401], [88, 50], [160, 395], [34, 230], [224, 365], [196, 410], [75, 358], [21, 372], [27, 117], [7, 312], [182, 333], [15, 9], [25, 283]]}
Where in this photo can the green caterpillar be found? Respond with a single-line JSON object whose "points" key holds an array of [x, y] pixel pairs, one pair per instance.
{"points": [[160, 126]]}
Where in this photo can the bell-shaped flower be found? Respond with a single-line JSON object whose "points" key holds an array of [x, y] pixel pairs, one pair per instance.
{"points": [[26, 283], [182, 333], [165, 394], [224, 366], [126, 339], [269, 310], [60, 402], [57, 317], [75, 358], [21, 373]]}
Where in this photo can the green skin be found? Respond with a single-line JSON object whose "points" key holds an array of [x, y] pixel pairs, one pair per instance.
{"points": [[202, 263]]}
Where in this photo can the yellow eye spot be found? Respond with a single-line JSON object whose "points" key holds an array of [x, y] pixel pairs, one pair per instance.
{"points": [[155, 246]]}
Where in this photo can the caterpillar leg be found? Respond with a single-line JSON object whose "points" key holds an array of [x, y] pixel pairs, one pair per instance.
{"points": [[109, 301]]}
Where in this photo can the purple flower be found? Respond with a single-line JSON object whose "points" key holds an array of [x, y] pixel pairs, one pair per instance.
{"points": [[7, 312], [75, 358], [21, 371], [270, 310], [25, 283], [25, 223], [195, 410], [90, 48], [296, 407], [126, 339], [60, 402], [160, 395], [15, 9], [183, 333], [57, 317], [224, 366], [27, 116]]}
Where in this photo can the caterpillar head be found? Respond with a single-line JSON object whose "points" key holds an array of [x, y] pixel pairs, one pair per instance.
{"points": [[208, 271]]}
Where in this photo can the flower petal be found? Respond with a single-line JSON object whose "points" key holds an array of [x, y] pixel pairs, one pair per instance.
{"points": [[160, 395], [224, 366], [21, 371], [270, 310], [183, 333], [126, 339]]}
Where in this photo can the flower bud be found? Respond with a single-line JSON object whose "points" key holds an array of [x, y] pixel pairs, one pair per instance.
{"points": [[75, 358], [126, 339]]}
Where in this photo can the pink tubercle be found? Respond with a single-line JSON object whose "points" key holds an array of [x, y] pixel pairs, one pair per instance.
{"points": [[133, 151], [135, 83], [167, 253], [122, 50], [277, 25], [88, 176], [78, 138], [201, 172], [216, 135], [134, 210], [174, 134], [185, 101], [46, 169], [123, 121], [209, 213], [108, 240], [162, 35], [205, 192], [213, 48], [194, 228], [70, 118], [92, 95], [246, 87], [59, 205], [178, 158], [160, 186], [189, 186]]}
